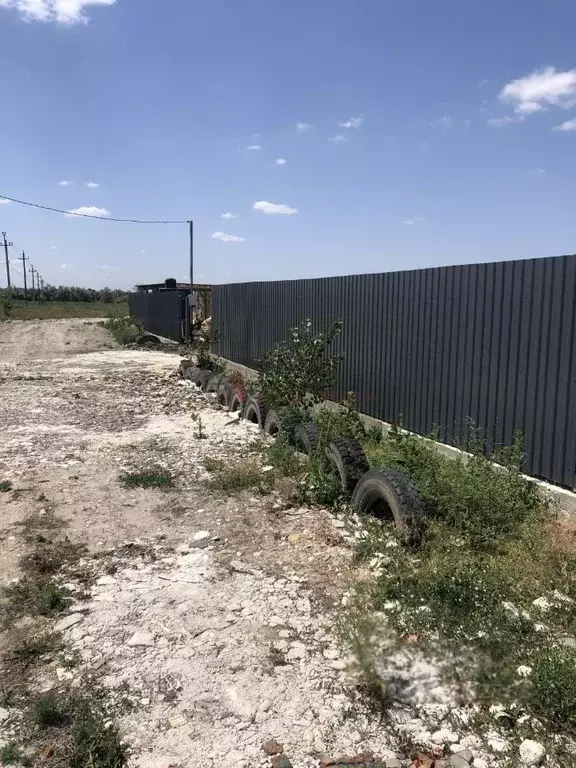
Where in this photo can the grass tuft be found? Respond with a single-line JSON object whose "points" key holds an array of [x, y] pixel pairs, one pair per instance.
{"points": [[5, 486], [50, 712], [35, 596], [153, 478], [10, 754]]}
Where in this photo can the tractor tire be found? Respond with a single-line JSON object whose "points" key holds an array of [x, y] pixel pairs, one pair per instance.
{"points": [[237, 403], [224, 393], [214, 383], [306, 438], [183, 367], [272, 423], [347, 457], [255, 411], [192, 373], [391, 494]]}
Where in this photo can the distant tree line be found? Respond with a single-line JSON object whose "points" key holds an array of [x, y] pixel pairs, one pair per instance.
{"points": [[72, 293]]}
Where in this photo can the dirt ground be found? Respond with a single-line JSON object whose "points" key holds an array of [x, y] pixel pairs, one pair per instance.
{"points": [[211, 615]]}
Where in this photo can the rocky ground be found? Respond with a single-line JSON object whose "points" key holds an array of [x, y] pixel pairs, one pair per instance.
{"points": [[210, 619]]}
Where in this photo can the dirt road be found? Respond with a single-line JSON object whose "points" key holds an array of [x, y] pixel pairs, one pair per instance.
{"points": [[210, 619]]}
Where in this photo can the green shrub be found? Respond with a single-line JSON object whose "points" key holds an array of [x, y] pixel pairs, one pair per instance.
{"points": [[93, 740], [300, 371], [285, 460], [10, 754], [124, 329], [5, 486], [343, 420], [554, 681], [50, 711]]}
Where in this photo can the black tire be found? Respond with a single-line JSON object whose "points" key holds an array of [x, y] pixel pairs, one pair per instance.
{"points": [[203, 378], [224, 393], [306, 437], [237, 403], [391, 494], [272, 424], [255, 411], [191, 373], [183, 367], [347, 457], [214, 383]]}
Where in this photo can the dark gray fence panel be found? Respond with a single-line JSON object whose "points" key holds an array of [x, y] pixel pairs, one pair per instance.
{"points": [[159, 312], [487, 343]]}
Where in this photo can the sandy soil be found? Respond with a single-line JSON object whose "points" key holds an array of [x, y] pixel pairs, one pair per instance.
{"points": [[216, 621]]}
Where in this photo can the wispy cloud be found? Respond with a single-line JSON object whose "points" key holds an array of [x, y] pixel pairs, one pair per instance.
{"points": [[569, 125], [53, 248], [537, 172], [61, 183], [59, 11], [414, 220], [498, 122], [352, 122], [253, 147], [302, 127], [3, 201], [227, 238], [89, 210], [91, 184], [338, 139], [274, 208], [541, 90], [228, 216], [281, 161], [446, 121], [64, 266]]}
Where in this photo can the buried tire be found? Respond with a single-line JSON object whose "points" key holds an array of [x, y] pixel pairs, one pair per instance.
{"points": [[391, 494], [214, 383], [346, 456], [191, 373], [272, 423], [224, 393], [237, 403], [255, 411], [306, 437]]}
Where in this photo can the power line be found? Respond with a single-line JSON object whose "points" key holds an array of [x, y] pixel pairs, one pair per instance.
{"points": [[92, 216]]}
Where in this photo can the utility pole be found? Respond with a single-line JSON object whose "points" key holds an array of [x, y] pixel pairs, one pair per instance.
{"points": [[42, 288], [191, 297], [24, 259], [32, 271], [6, 246]]}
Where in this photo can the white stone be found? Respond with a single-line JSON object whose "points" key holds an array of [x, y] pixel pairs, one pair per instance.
{"points": [[444, 736], [105, 580], [331, 653], [531, 752], [201, 535], [543, 603], [524, 671], [497, 744], [141, 638], [4, 714], [68, 621]]}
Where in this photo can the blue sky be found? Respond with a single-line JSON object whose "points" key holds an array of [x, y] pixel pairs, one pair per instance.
{"points": [[456, 121]]}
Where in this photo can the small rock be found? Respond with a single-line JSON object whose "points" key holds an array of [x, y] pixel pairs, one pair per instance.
{"points": [[524, 671], [4, 714], [141, 638], [178, 720], [465, 754], [444, 736], [281, 761], [272, 747], [106, 580], [297, 651], [201, 535], [68, 621], [531, 752], [339, 664], [331, 653], [456, 761], [393, 762]]}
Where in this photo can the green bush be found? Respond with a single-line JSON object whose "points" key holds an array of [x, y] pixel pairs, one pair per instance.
{"points": [[554, 680], [300, 371], [124, 330]]}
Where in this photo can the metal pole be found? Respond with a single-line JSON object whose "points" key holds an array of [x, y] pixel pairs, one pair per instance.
{"points": [[32, 270], [24, 259], [6, 244], [190, 305]]}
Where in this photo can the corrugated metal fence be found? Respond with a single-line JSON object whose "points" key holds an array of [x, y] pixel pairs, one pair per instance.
{"points": [[491, 343], [160, 312]]}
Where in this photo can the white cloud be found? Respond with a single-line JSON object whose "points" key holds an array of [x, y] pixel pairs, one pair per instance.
{"points": [[60, 11], [64, 266], [498, 122], [105, 267], [274, 208], [352, 122], [414, 220], [53, 248], [537, 172], [62, 183], [227, 238], [444, 122], [540, 90], [89, 210], [142, 251], [302, 127], [91, 184], [338, 139], [281, 161], [228, 216], [253, 147], [569, 125], [3, 200]]}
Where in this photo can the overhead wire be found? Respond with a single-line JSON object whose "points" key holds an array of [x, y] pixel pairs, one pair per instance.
{"points": [[93, 216]]}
